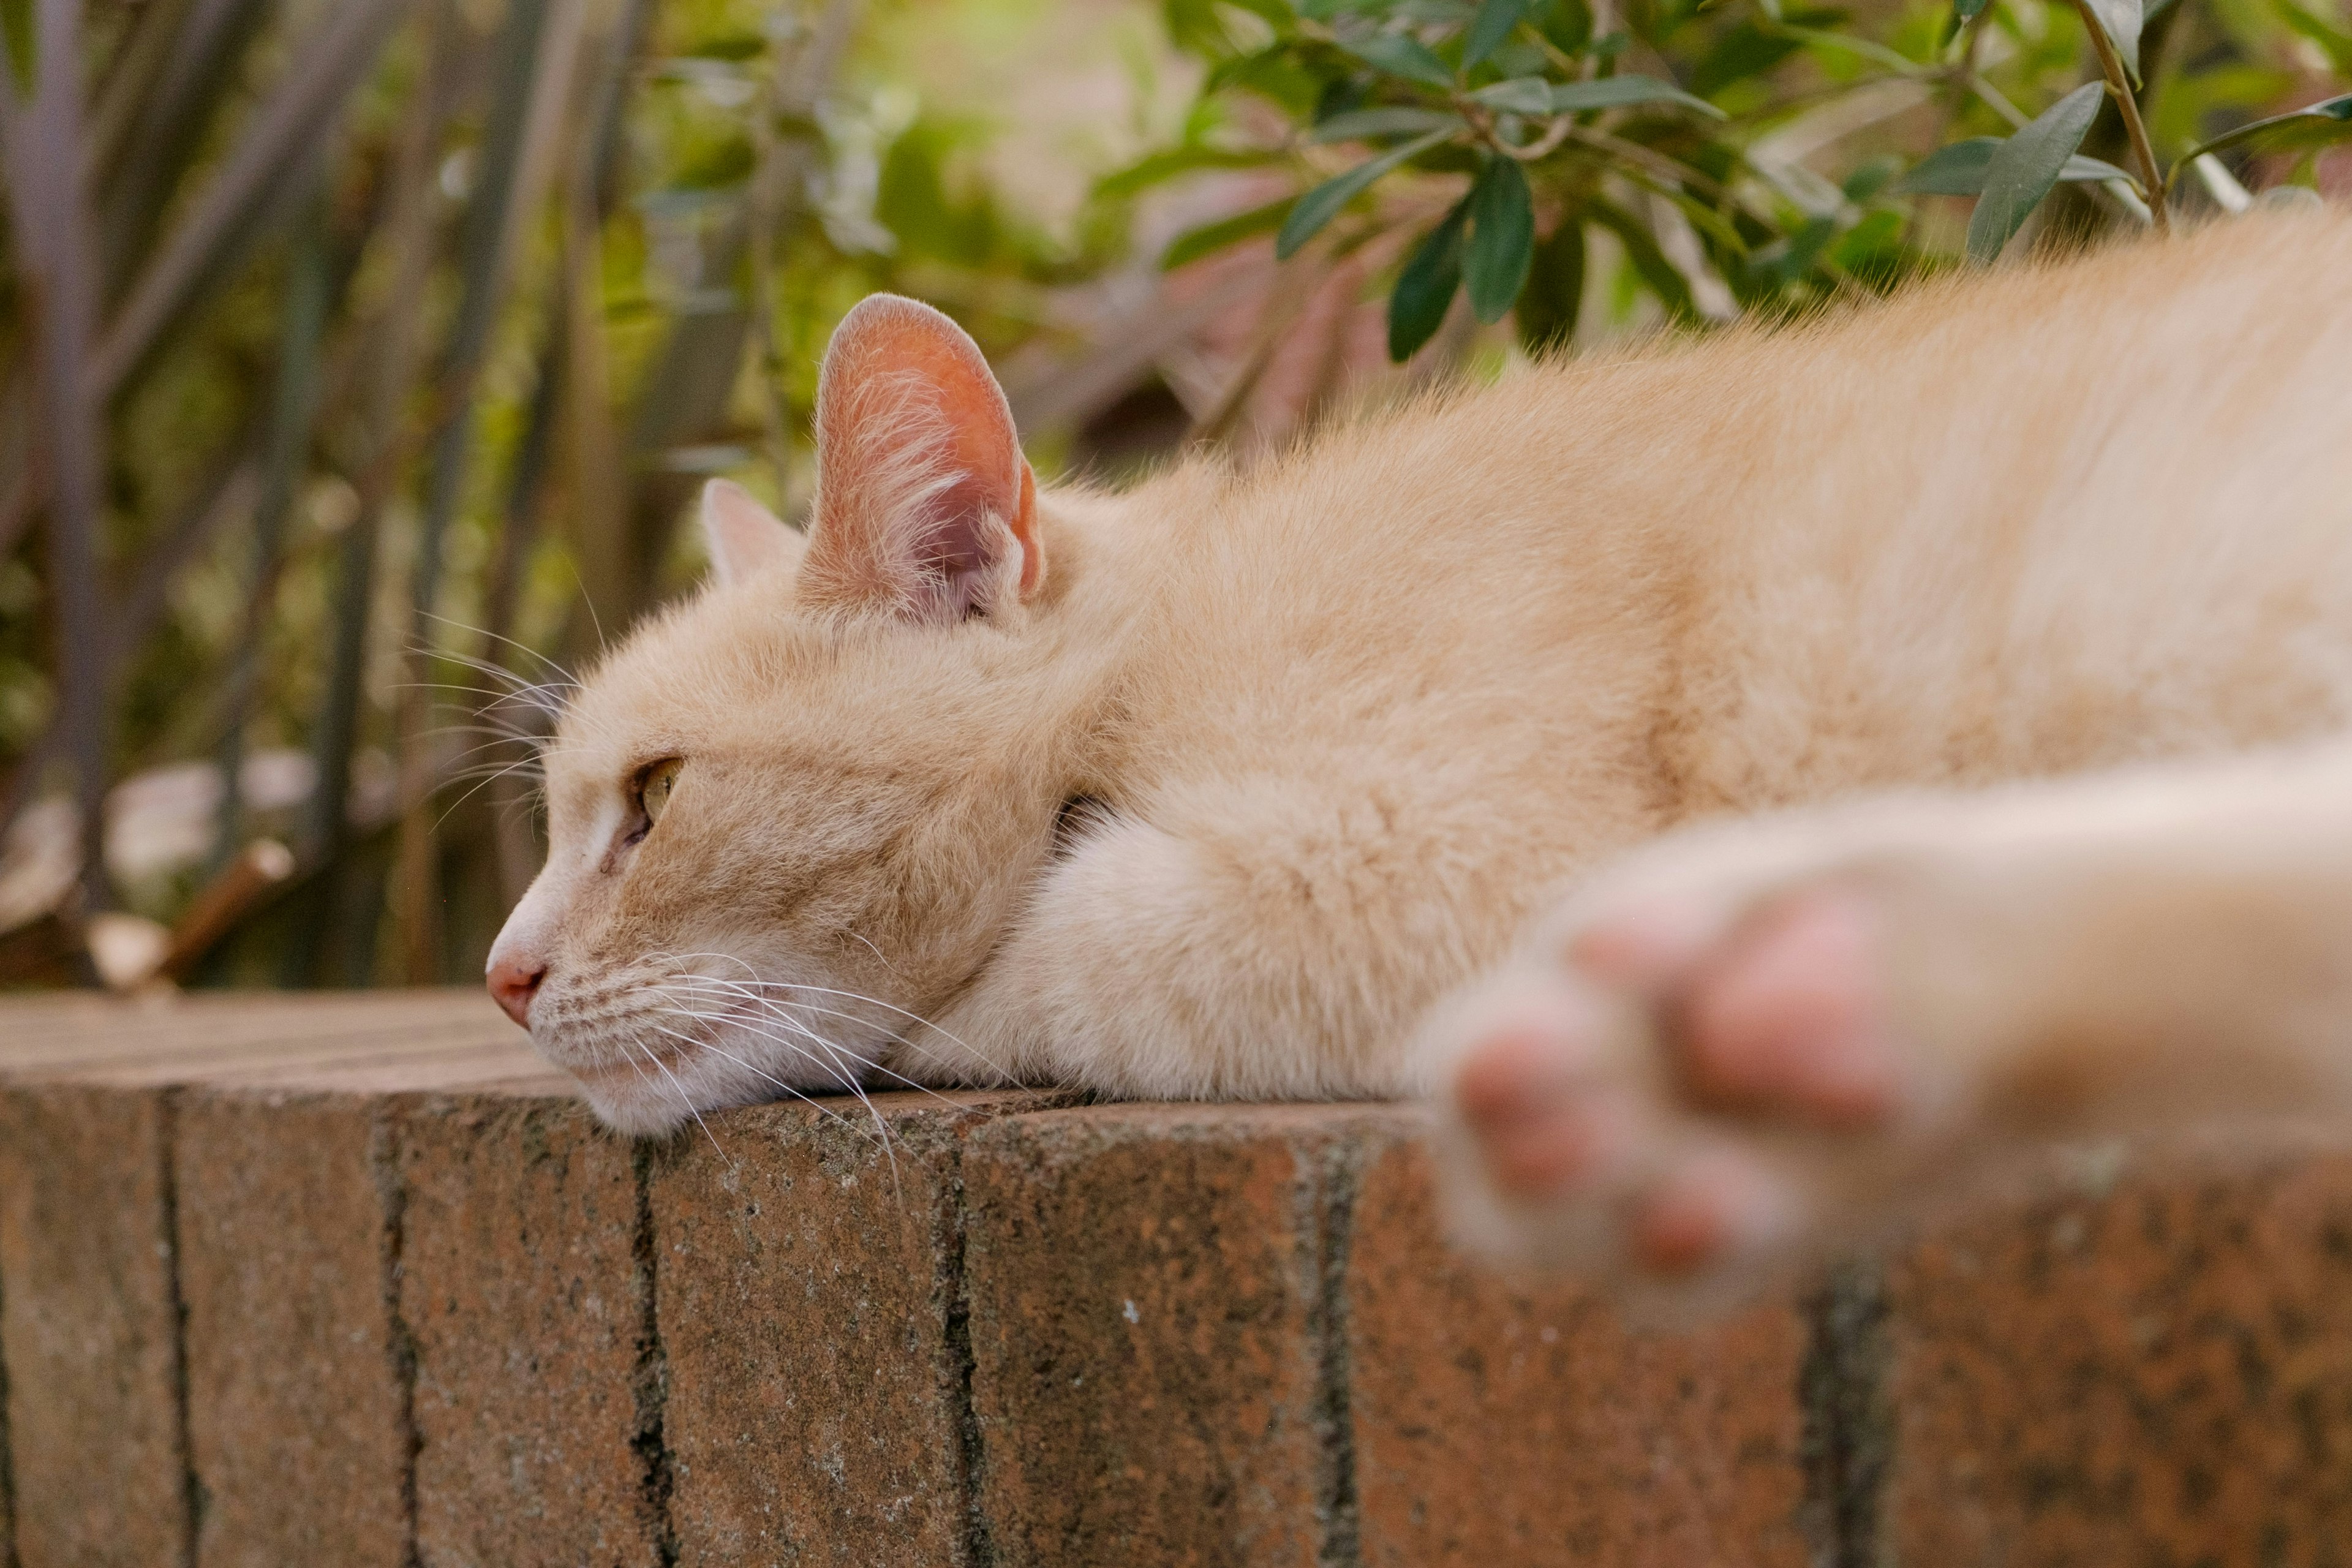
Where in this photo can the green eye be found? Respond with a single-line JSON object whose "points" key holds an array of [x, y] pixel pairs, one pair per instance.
{"points": [[654, 794]]}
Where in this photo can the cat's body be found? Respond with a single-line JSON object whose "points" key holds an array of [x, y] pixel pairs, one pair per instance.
{"points": [[1348, 722]]}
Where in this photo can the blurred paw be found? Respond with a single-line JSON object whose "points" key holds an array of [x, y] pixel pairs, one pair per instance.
{"points": [[1698, 1066]]}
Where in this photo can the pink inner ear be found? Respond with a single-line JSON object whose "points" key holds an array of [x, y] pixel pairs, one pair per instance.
{"points": [[923, 494]]}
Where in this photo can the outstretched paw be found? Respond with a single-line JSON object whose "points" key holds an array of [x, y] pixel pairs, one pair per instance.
{"points": [[1696, 1070]]}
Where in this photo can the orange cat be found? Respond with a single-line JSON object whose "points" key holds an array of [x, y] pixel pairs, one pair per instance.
{"points": [[1214, 788]]}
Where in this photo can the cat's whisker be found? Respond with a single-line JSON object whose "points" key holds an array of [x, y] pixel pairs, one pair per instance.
{"points": [[831, 1068], [811, 1100], [492, 668], [570, 680], [870, 948], [686, 1099], [480, 785], [834, 1057], [853, 996], [836, 1061], [776, 1007]]}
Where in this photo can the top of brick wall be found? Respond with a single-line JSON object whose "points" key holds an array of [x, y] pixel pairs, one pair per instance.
{"points": [[356, 1279], [419, 1041]]}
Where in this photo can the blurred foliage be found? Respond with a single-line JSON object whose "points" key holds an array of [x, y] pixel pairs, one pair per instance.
{"points": [[358, 359], [1726, 157]]}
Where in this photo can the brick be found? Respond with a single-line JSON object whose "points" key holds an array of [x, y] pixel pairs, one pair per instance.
{"points": [[1510, 1419], [805, 1288], [530, 1312], [1147, 1325], [88, 1328], [2160, 1371], [296, 1406]]}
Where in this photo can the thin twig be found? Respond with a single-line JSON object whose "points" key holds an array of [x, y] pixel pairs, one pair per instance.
{"points": [[2119, 88]]}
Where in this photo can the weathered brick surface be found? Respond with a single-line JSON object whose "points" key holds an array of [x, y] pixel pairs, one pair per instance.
{"points": [[298, 1413], [529, 1312], [805, 1284], [422, 1311], [1147, 1333], [1502, 1419], [88, 1327], [2159, 1375]]}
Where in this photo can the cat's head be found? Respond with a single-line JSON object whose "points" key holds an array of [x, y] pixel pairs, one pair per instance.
{"points": [[789, 815]]}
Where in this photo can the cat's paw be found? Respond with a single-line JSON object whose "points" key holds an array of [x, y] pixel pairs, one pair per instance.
{"points": [[1702, 1062]]}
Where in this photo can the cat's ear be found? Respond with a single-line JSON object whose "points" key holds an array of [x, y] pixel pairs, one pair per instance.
{"points": [[925, 507], [740, 535]]}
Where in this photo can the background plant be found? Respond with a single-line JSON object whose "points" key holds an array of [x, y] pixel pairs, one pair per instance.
{"points": [[360, 358], [1729, 157]]}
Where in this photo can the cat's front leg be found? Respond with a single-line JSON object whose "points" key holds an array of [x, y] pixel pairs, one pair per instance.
{"points": [[1746, 1036], [1274, 939]]}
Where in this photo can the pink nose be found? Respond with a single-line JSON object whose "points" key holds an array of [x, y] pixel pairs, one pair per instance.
{"points": [[514, 983]]}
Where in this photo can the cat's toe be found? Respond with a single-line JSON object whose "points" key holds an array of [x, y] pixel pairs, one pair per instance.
{"points": [[1717, 1207], [1787, 1014], [1677, 1083], [1545, 1122]]}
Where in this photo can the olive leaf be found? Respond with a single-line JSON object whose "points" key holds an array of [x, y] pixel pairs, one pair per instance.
{"points": [[1360, 123], [1401, 56], [1211, 237], [2121, 20], [1615, 91], [1321, 205], [2316, 124], [1554, 293], [2022, 169], [1958, 169], [1425, 288], [1534, 95], [1502, 237], [1489, 28], [1520, 95]]}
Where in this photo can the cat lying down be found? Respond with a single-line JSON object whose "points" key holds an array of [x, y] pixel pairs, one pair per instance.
{"points": [[1270, 784]]}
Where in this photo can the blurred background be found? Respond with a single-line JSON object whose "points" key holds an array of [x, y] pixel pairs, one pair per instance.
{"points": [[360, 358]]}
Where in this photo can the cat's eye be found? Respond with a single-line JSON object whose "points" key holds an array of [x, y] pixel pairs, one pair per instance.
{"points": [[653, 792]]}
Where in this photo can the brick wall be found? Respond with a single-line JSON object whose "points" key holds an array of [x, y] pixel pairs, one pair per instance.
{"points": [[354, 1281]]}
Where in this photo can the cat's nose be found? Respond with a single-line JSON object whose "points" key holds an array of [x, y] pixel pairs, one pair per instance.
{"points": [[514, 981]]}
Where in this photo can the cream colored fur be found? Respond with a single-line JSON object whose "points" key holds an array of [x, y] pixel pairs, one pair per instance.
{"points": [[1357, 717]]}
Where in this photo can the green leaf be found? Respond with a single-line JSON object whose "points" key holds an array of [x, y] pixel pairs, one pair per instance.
{"points": [[727, 47], [1161, 167], [2122, 21], [1554, 294], [1492, 23], [1870, 178], [1321, 205], [1502, 237], [1615, 91], [1649, 263], [1275, 14], [1520, 95], [2022, 169], [1567, 23], [1211, 237], [1958, 169], [1401, 56], [1425, 288], [2317, 124], [1966, 11], [1366, 122]]}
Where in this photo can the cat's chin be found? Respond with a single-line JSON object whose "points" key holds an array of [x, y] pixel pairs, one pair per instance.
{"points": [[683, 1087], [627, 1104]]}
